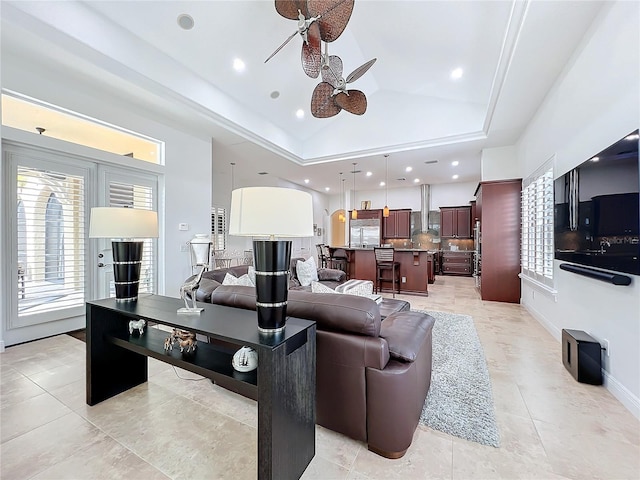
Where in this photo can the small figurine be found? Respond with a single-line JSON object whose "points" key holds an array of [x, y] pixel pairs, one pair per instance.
{"points": [[188, 290], [137, 325], [186, 340]]}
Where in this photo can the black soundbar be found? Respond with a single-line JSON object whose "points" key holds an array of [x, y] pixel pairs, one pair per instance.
{"points": [[601, 275]]}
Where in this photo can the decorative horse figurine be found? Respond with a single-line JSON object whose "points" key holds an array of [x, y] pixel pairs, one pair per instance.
{"points": [[137, 325], [188, 290]]}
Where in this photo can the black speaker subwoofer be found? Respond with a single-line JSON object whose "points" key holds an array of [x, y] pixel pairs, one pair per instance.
{"points": [[582, 357]]}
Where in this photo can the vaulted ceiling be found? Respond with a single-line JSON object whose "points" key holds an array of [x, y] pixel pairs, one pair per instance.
{"points": [[510, 54]]}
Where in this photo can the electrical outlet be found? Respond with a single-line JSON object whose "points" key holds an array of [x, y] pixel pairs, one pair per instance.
{"points": [[404, 279], [606, 346]]}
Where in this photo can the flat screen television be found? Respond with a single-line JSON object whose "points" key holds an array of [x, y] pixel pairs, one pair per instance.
{"points": [[597, 210]]}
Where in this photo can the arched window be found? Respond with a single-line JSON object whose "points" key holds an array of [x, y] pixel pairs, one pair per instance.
{"points": [[54, 241]]}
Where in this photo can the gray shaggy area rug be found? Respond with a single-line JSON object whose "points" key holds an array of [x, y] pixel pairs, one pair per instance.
{"points": [[460, 401]]}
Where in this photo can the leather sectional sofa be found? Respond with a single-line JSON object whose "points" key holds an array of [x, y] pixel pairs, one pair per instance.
{"points": [[372, 376]]}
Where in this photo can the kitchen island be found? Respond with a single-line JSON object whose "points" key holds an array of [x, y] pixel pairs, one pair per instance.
{"points": [[417, 267]]}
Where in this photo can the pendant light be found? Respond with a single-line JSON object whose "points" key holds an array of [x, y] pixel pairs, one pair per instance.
{"points": [[385, 210], [342, 216], [354, 212]]}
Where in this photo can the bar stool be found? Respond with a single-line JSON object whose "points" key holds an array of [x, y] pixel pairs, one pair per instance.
{"points": [[322, 258], [338, 260], [385, 262]]}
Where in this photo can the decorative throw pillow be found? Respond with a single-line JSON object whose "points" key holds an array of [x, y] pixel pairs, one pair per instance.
{"points": [[252, 274], [243, 280], [307, 271], [317, 287]]}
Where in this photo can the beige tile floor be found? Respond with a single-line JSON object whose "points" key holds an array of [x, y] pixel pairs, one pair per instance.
{"points": [[180, 426]]}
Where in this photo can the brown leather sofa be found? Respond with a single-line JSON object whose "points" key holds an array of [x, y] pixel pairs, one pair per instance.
{"points": [[212, 279], [372, 376]]}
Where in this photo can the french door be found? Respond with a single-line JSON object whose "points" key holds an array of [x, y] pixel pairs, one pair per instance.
{"points": [[126, 189], [51, 267]]}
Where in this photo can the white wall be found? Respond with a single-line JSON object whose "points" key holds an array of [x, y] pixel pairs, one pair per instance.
{"points": [[594, 103], [499, 163], [180, 204]]}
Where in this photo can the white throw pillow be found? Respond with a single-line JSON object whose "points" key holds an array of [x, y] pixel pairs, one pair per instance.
{"points": [[307, 271], [317, 287], [243, 280]]}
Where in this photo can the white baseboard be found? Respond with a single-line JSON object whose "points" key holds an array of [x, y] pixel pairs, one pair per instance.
{"points": [[630, 401], [619, 391], [550, 327]]}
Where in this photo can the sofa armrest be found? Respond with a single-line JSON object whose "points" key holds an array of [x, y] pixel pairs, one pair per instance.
{"points": [[406, 333], [331, 274]]}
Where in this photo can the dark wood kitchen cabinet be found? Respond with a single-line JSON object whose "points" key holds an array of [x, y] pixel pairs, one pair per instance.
{"points": [[457, 263], [368, 214], [455, 222], [499, 210], [397, 224]]}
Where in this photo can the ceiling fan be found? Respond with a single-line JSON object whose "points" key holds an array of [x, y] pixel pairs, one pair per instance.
{"points": [[318, 21], [331, 95]]}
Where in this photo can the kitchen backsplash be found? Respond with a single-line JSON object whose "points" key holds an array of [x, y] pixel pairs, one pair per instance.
{"points": [[427, 241]]}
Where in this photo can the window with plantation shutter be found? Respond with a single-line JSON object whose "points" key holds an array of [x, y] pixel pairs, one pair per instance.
{"points": [[219, 228], [142, 197], [50, 240], [537, 226]]}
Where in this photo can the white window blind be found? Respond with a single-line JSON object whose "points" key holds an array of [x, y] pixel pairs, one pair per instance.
{"points": [[219, 228], [136, 196], [537, 225], [50, 240]]}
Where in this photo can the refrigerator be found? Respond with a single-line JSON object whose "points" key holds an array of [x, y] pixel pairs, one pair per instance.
{"points": [[364, 233]]}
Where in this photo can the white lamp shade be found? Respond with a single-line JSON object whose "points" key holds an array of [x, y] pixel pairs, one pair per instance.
{"points": [[262, 211], [121, 222]]}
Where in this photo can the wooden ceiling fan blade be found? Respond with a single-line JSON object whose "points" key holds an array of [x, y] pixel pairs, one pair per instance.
{"points": [[289, 8], [332, 70], [312, 52], [355, 102], [334, 16], [322, 104], [361, 70]]}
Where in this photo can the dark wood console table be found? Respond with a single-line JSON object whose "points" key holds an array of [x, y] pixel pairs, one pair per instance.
{"points": [[284, 383]]}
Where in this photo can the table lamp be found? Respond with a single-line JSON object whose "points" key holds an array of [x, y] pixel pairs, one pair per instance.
{"points": [[271, 212], [124, 226]]}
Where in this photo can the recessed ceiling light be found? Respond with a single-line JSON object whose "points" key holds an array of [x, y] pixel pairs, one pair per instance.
{"points": [[238, 65], [326, 189], [455, 163], [369, 174], [416, 180], [408, 169], [595, 159], [185, 21], [455, 177], [300, 113], [382, 184], [306, 180], [275, 94], [633, 136], [456, 73]]}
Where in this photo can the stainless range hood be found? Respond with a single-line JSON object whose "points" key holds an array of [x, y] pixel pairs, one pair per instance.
{"points": [[425, 203]]}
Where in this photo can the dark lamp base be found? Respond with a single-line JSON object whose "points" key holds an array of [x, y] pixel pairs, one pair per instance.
{"points": [[127, 263], [272, 259]]}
